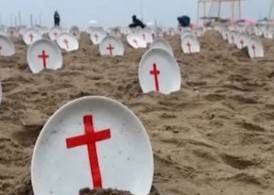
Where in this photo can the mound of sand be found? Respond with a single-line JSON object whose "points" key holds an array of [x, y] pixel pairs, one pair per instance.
{"points": [[214, 136]]}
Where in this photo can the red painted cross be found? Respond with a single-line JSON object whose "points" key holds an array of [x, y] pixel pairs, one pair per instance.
{"points": [[90, 138], [66, 43], [242, 43], [232, 39], [44, 57], [189, 47], [31, 37], [135, 41], [144, 36], [110, 48], [254, 50], [155, 72], [96, 37], [0, 49]]}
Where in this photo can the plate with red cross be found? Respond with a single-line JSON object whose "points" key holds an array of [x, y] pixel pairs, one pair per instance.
{"points": [[255, 47], [159, 72], [12, 32], [92, 142], [75, 31], [44, 54], [68, 42], [242, 41], [97, 35], [111, 46], [1, 93], [30, 36], [54, 33], [7, 47], [190, 44], [136, 41]]}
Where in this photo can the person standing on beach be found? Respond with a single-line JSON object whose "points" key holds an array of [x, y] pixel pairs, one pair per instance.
{"points": [[57, 19], [136, 23]]}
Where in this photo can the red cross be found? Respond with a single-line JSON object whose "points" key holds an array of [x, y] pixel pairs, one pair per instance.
{"points": [[189, 47], [31, 37], [136, 43], [155, 72], [110, 48], [254, 50], [96, 37], [66, 43], [144, 36], [0, 49], [44, 57], [232, 39], [242, 43], [90, 138], [55, 34]]}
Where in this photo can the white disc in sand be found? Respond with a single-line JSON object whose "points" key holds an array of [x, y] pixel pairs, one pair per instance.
{"points": [[159, 72], [111, 46], [136, 41], [268, 33], [44, 54], [68, 42], [242, 41], [93, 142], [162, 44], [54, 33], [255, 48], [97, 35], [75, 31], [30, 36], [1, 93], [147, 36], [190, 44], [7, 47], [231, 38], [12, 32]]}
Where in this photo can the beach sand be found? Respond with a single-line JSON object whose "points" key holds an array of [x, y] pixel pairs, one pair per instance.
{"points": [[215, 136]]}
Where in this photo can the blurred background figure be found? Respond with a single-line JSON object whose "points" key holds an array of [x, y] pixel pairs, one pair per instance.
{"points": [[184, 21], [136, 23], [57, 19]]}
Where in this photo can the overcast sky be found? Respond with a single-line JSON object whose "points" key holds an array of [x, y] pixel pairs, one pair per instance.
{"points": [[112, 12]]}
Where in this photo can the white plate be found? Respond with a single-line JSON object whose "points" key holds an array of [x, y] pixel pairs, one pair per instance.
{"points": [[30, 36], [68, 42], [162, 44], [44, 54], [111, 46], [190, 44], [159, 72], [7, 47], [125, 158], [54, 33], [255, 48], [96, 36], [136, 41]]}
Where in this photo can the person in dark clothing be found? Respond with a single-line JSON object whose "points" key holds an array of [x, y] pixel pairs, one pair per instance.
{"points": [[184, 21], [57, 19], [136, 23]]}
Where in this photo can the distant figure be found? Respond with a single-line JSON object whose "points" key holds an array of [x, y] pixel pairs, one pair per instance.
{"points": [[57, 19], [136, 23], [184, 21]]}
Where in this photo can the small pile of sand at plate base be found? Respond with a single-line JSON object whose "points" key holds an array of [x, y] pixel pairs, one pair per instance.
{"points": [[103, 192]]}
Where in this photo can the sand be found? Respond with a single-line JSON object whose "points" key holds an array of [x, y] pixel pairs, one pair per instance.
{"points": [[215, 136]]}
